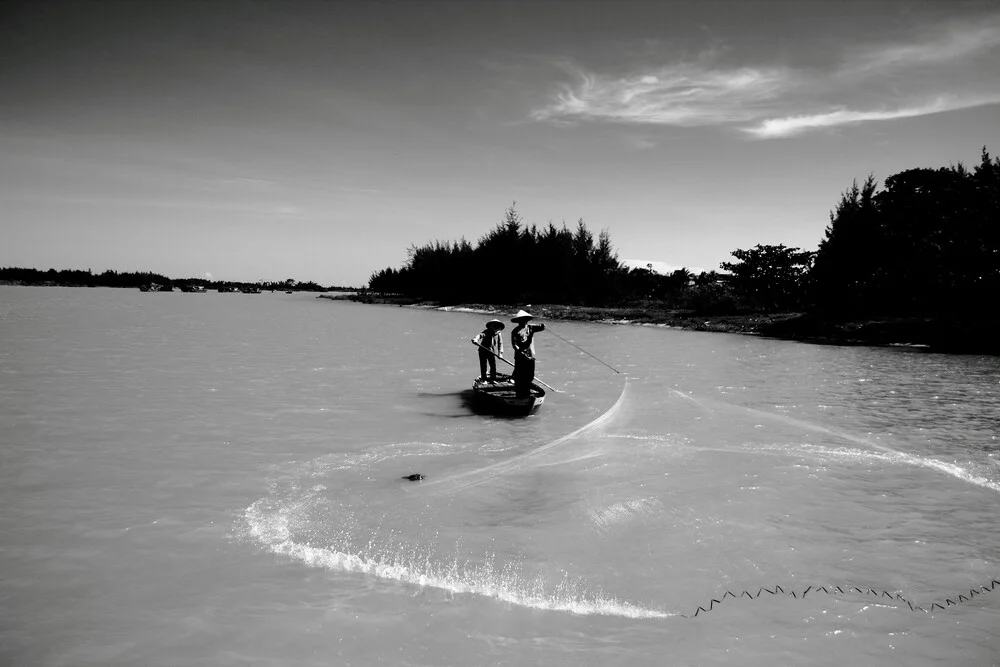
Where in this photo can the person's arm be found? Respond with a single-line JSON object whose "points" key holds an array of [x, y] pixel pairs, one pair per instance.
{"points": [[478, 339], [538, 327], [499, 344]]}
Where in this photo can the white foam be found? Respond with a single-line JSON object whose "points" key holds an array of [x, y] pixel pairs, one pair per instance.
{"points": [[273, 531], [463, 309], [655, 438], [888, 455]]}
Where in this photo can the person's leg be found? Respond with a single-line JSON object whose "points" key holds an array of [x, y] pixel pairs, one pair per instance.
{"points": [[524, 371], [482, 364], [529, 377], [493, 368]]}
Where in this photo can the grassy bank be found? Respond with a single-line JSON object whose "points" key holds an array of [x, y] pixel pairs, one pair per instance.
{"points": [[962, 335], [635, 314]]}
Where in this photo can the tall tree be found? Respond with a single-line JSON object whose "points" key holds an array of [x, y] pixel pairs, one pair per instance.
{"points": [[848, 264], [769, 277]]}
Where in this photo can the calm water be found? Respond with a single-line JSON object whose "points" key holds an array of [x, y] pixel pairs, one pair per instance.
{"points": [[193, 479]]}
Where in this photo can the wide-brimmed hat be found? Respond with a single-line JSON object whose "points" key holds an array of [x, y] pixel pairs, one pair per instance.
{"points": [[522, 316], [496, 324]]}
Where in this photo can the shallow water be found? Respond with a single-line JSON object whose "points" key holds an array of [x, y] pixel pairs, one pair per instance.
{"points": [[191, 479]]}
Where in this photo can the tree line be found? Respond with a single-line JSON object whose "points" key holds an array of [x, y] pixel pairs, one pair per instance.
{"points": [[926, 243], [136, 279], [550, 265]]}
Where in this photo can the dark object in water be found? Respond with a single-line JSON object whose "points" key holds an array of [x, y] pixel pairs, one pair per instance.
{"points": [[415, 477]]}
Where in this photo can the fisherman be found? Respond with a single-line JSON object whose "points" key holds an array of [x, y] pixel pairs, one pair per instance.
{"points": [[524, 352], [490, 344]]}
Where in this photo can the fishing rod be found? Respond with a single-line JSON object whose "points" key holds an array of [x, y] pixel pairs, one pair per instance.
{"points": [[537, 379], [582, 350]]}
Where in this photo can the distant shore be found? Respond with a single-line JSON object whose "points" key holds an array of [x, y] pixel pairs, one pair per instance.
{"points": [[961, 336]]}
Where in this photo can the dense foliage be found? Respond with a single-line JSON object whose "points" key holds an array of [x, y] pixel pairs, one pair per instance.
{"points": [[926, 244], [513, 263], [769, 278]]}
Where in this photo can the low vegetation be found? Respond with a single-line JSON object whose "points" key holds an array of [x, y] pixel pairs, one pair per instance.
{"points": [[135, 279]]}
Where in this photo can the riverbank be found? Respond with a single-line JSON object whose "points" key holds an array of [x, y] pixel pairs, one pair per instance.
{"points": [[976, 335]]}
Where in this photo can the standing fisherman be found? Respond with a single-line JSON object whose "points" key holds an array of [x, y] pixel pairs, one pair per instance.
{"points": [[524, 352], [490, 344]]}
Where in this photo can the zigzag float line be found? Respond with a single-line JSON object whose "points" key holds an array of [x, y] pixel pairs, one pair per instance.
{"points": [[835, 590]]}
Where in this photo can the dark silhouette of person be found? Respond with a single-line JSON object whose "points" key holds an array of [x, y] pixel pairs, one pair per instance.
{"points": [[521, 339]]}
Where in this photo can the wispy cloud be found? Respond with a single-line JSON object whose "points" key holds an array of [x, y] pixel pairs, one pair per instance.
{"points": [[955, 44], [685, 95], [792, 125], [954, 68], [639, 143]]}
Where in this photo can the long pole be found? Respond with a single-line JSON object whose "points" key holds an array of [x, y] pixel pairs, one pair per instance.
{"points": [[537, 379]]}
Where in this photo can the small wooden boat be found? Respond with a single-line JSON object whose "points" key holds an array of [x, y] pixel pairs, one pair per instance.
{"points": [[499, 396]]}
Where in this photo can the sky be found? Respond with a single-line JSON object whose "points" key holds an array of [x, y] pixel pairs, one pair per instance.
{"points": [[319, 140]]}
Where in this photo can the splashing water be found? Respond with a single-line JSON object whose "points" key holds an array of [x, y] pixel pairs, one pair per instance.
{"points": [[273, 528]]}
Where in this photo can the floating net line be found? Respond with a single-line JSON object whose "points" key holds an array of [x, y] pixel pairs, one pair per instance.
{"points": [[840, 590], [460, 481]]}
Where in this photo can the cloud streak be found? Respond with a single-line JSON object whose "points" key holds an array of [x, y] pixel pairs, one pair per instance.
{"points": [[951, 70], [793, 125], [684, 95], [955, 44]]}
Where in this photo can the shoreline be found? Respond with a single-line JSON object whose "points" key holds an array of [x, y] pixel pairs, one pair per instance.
{"points": [[975, 335]]}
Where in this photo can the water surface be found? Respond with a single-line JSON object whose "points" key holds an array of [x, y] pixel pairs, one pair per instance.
{"points": [[190, 479]]}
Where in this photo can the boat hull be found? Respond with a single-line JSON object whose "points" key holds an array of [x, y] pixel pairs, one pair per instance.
{"points": [[500, 398]]}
